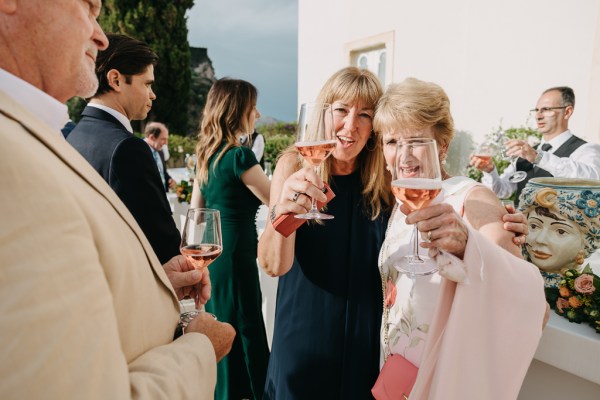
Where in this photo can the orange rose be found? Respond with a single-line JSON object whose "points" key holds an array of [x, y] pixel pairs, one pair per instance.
{"points": [[574, 302], [564, 292]]}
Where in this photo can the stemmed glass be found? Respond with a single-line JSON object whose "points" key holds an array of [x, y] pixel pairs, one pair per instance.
{"points": [[201, 244], [416, 181], [516, 176], [315, 141], [486, 151]]}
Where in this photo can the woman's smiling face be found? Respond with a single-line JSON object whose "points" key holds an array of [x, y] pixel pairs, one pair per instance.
{"points": [[390, 141], [353, 124]]}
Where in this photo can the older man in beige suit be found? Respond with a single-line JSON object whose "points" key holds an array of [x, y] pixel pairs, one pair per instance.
{"points": [[86, 309]]}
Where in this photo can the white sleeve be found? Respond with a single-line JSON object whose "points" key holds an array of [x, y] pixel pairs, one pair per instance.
{"points": [[499, 183], [258, 146], [582, 163], [165, 150]]}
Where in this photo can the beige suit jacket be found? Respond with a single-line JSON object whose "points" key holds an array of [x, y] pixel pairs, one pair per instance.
{"points": [[86, 310]]}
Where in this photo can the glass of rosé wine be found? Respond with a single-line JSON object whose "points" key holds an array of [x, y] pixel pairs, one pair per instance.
{"points": [[485, 152], [201, 244], [315, 141], [416, 181]]}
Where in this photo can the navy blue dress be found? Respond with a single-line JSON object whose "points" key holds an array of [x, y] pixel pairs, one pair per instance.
{"points": [[328, 313]]}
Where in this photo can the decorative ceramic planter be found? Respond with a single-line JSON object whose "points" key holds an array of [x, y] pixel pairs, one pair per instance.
{"points": [[564, 222]]}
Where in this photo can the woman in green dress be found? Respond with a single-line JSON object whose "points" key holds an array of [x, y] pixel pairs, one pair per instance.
{"points": [[230, 180]]}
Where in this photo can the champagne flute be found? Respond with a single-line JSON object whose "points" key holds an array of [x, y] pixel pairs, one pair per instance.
{"points": [[416, 181], [315, 142], [201, 244]]}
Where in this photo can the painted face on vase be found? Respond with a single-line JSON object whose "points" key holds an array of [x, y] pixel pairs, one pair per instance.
{"points": [[554, 243]]}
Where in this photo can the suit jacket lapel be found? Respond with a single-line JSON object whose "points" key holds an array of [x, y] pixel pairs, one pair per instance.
{"points": [[57, 144]]}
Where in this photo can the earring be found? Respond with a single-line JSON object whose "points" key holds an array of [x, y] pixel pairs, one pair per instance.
{"points": [[580, 257]]}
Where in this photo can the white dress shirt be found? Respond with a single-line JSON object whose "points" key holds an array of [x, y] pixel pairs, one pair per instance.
{"points": [[39, 103], [120, 117], [583, 163], [258, 146]]}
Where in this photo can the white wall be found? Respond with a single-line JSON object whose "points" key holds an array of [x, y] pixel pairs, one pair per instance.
{"points": [[494, 58]]}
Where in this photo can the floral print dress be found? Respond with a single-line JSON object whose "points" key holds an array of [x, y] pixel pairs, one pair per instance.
{"points": [[410, 302]]}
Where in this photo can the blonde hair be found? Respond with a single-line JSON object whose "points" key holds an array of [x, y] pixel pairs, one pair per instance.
{"points": [[350, 85], [415, 104], [226, 115]]}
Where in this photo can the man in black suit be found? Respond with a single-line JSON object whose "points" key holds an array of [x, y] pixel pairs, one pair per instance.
{"points": [[157, 136], [104, 137]]}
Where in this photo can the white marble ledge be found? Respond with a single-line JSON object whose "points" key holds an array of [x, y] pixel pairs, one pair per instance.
{"points": [[571, 347]]}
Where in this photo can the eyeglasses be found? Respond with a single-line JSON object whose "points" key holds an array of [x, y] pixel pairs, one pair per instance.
{"points": [[547, 111]]}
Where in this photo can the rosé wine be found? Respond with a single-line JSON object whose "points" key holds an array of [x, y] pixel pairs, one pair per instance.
{"points": [[315, 152], [201, 255], [416, 193]]}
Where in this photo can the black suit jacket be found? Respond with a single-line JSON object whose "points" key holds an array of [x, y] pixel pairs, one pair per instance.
{"points": [[126, 163]]}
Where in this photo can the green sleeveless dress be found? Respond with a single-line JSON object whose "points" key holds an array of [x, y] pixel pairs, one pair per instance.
{"points": [[236, 296]]}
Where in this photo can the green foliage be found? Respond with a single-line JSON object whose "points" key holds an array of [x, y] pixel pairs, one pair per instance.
{"points": [[179, 146], [161, 24], [76, 106], [278, 137]]}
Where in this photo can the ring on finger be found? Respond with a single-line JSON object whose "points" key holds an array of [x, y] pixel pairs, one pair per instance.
{"points": [[295, 196], [428, 236]]}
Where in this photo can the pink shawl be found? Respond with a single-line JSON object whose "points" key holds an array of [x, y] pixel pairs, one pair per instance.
{"points": [[484, 333]]}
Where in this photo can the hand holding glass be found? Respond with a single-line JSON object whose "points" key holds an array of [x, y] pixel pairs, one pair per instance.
{"points": [[416, 181], [201, 241], [315, 142], [516, 176]]}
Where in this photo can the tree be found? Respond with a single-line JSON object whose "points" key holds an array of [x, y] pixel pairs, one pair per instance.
{"points": [[161, 24]]}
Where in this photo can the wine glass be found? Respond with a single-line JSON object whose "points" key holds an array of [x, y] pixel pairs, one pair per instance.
{"points": [[416, 181], [486, 151], [315, 142], [201, 244], [516, 176]]}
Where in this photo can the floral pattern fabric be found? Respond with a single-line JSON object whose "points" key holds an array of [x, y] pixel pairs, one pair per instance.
{"points": [[410, 302]]}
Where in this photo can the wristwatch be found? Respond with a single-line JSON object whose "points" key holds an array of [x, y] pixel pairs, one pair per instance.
{"points": [[538, 157]]}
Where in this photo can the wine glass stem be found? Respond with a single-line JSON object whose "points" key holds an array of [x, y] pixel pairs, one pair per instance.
{"points": [[313, 201], [416, 257]]}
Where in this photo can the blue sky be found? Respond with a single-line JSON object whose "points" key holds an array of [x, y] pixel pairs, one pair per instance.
{"points": [[254, 40]]}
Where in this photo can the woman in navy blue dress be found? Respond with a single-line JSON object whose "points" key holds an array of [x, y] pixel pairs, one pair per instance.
{"points": [[329, 300]]}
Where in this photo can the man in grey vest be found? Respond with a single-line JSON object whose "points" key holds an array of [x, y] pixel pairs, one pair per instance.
{"points": [[559, 154]]}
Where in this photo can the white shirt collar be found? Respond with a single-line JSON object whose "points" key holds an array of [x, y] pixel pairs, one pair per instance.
{"points": [[120, 117], [558, 140], [37, 102]]}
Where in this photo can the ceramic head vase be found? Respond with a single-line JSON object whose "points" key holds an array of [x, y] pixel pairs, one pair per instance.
{"points": [[564, 222]]}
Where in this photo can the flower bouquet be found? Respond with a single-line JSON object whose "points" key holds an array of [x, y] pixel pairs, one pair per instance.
{"points": [[184, 192], [576, 297]]}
